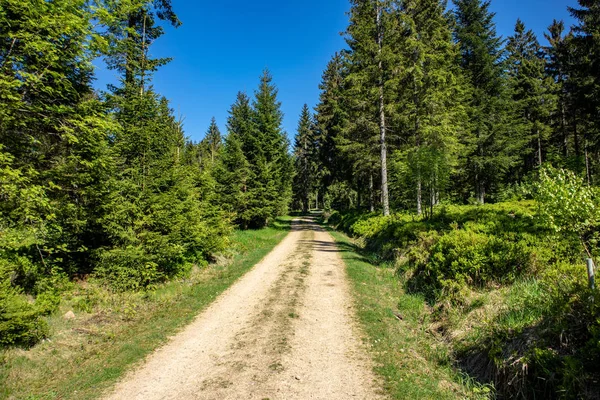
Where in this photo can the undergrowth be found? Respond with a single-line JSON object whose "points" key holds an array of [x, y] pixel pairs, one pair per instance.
{"points": [[112, 330], [509, 295]]}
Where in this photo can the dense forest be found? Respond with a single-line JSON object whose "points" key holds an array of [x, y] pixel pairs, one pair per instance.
{"points": [[106, 183], [467, 161], [428, 106]]}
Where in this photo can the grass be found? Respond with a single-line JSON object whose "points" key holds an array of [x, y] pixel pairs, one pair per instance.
{"points": [[112, 332], [413, 362]]}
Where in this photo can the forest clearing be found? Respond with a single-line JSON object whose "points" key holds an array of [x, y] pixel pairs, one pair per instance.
{"points": [[408, 209]]}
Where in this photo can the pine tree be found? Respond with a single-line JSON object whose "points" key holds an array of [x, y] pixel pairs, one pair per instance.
{"points": [[531, 95], [481, 61], [305, 151], [274, 164], [370, 36], [430, 94]]}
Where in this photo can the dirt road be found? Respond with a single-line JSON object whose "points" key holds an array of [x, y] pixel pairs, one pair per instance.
{"points": [[286, 330]]}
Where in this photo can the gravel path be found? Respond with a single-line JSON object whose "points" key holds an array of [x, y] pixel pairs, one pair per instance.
{"points": [[285, 330]]}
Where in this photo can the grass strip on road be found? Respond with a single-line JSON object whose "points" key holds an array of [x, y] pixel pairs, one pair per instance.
{"points": [[113, 331]]}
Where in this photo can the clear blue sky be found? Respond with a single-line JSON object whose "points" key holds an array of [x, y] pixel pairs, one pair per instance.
{"points": [[223, 46]]}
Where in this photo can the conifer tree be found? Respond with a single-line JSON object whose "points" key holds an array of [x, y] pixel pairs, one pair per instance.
{"points": [[481, 61], [430, 97], [586, 78], [236, 171], [212, 142], [132, 27], [234, 178], [331, 119], [558, 55], [531, 95], [52, 126], [305, 151], [369, 37], [273, 162]]}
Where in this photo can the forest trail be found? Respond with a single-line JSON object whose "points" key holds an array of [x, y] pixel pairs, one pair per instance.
{"points": [[286, 330]]}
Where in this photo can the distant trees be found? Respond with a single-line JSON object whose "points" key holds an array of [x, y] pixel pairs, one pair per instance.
{"points": [[306, 153]]}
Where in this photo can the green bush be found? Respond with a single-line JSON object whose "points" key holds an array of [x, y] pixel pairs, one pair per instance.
{"points": [[541, 336], [21, 322]]}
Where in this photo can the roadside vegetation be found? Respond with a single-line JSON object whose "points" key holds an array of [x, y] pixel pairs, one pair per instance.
{"points": [[110, 330], [502, 292], [103, 187], [413, 363]]}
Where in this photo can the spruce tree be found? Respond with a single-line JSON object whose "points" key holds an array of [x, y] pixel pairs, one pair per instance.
{"points": [[305, 149], [532, 99], [430, 96], [331, 118], [52, 125], [370, 37], [212, 142], [273, 163], [234, 178], [481, 61], [585, 74], [558, 54]]}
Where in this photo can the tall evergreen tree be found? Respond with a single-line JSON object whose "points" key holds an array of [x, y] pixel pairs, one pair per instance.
{"points": [[531, 95], [132, 27], [273, 161], [586, 77], [430, 93], [481, 61], [52, 127], [236, 172], [558, 65], [369, 37], [331, 119], [305, 157], [212, 142]]}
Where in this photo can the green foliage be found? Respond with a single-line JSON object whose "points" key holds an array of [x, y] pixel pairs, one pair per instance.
{"points": [[257, 170], [568, 205], [306, 153], [510, 295]]}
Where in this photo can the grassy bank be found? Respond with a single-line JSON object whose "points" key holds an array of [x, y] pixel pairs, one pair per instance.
{"points": [[112, 331], [502, 298], [413, 363]]}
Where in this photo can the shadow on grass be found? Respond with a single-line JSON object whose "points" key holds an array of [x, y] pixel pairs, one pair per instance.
{"points": [[282, 224], [358, 253]]}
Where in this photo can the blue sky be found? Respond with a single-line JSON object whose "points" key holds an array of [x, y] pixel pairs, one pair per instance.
{"points": [[223, 46]]}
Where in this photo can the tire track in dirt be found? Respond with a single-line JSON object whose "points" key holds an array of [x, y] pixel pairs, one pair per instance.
{"points": [[285, 330]]}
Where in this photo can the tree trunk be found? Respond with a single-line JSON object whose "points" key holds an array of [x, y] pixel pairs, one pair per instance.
{"points": [[385, 198], [371, 194], [129, 75], [576, 138], [539, 144], [563, 127], [143, 66], [419, 196], [588, 170]]}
